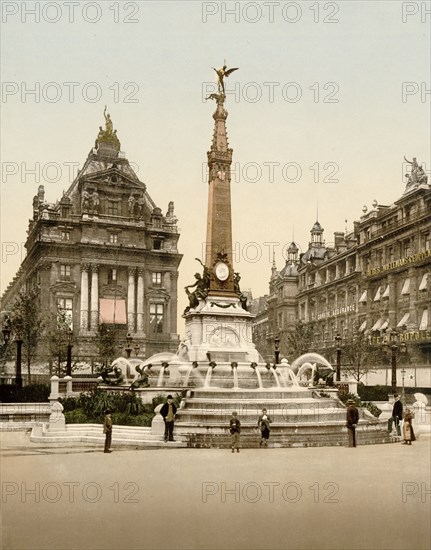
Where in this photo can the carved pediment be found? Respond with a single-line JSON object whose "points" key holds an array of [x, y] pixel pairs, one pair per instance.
{"points": [[62, 286], [157, 294], [112, 291], [113, 176]]}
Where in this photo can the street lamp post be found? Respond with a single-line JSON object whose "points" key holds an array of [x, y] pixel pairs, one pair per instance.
{"points": [[394, 349], [393, 341], [18, 377], [338, 341], [277, 349], [403, 396], [6, 335], [69, 353]]}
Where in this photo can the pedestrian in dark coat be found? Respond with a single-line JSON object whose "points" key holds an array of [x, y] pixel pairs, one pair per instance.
{"points": [[235, 430], [168, 412], [397, 415], [107, 430], [265, 428], [352, 419]]}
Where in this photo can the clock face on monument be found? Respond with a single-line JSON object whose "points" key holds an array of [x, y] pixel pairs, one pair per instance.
{"points": [[221, 271]]}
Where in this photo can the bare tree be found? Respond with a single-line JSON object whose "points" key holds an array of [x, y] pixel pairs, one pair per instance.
{"points": [[301, 340], [358, 356], [27, 323]]}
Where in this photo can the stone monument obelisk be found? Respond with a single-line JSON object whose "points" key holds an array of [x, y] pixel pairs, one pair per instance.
{"points": [[218, 326]]}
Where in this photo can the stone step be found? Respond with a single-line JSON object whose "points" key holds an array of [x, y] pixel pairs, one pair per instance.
{"points": [[138, 437], [310, 415], [259, 404], [333, 438], [255, 394]]}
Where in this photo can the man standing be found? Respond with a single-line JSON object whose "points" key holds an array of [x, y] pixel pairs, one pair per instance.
{"points": [[397, 415], [352, 419], [168, 412], [107, 430]]}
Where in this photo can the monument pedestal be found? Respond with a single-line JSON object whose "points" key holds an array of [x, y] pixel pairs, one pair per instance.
{"points": [[220, 326]]}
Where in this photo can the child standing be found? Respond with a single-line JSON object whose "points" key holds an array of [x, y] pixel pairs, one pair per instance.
{"points": [[235, 429], [107, 430], [264, 426]]}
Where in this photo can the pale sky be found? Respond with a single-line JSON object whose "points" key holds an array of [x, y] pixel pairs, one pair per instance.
{"points": [[292, 59]]}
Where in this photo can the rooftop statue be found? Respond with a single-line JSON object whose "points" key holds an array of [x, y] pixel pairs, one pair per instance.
{"points": [[222, 73], [417, 173], [108, 134]]}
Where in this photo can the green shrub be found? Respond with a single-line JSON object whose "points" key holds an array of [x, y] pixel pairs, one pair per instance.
{"points": [[373, 393], [69, 403], [77, 417], [34, 393], [123, 419]]}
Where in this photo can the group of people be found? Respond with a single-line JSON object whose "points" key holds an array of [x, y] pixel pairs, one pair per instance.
{"points": [[408, 434], [263, 424], [169, 409]]}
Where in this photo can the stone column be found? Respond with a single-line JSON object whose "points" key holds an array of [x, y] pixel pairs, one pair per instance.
{"points": [[393, 299], [131, 301], [84, 299], [174, 301], [94, 321], [140, 301], [413, 322]]}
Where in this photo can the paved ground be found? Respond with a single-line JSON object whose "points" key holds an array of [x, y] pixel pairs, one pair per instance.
{"points": [[371, 497]]}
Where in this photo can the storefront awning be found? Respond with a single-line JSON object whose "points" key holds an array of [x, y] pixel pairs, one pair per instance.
{"points": [[424, 282], [377, 324], [404, 320], [363, 326], [385, 325], [363, 298], [112, 312], [377, 296], [424, 321], [406, 287], [386, 293]]}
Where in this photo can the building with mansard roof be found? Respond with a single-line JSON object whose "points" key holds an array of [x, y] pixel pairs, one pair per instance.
{"points": [[375, 279], [105, 254]]}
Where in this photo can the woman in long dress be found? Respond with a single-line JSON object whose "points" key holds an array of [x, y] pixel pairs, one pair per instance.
{"points": [[408, 432]]}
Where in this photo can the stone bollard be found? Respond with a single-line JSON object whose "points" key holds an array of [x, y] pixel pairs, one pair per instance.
{"points": [[158, 424], [69, 391], [54, 395], [57, 421], [421, 421], [353, 386]]}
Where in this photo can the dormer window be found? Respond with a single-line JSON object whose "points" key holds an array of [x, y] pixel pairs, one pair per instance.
{"points": [[65, 235], [113, 238]]}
